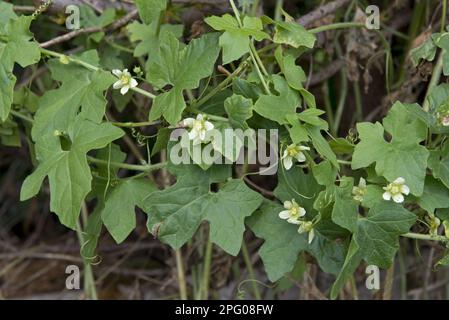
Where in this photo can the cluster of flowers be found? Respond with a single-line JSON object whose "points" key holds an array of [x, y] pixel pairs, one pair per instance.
{"points": [[294, 214]]}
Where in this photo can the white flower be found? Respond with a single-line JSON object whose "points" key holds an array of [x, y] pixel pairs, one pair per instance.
{"points": [[396, 190], [200, 128], [293, 212], [307, 226], [125, 81], [293, 151], [360, 190]]}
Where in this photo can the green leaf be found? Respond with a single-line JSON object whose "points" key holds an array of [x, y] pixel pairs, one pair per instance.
{"points": [[435, 195], [442, 41], [426, 51], [147, 36], [346, 209], [67, 168], [182, 68], [239, 109], [294, 74], [118, 214], [377, 234], [293, 34], [15, 47], [175, 214], [295, 184], [352, 261], [403, 156], [282, 241], [439, 164], [324, 173], [81, 91], [276, 108], [235, 41], [321, 145], [149, 10]]}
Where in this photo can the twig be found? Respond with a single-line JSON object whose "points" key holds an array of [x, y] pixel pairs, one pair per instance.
{"points": [[321, 12], [70, 35]]}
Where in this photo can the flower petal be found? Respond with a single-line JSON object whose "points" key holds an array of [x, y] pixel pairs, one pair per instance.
{"points": [[193, 134], [209, 126], [117, 85], [288, 162], [300, 157], [293, 221], [117, 72], [386, 196], [399, 180], [285, 154], [284, 214], [133, 83], [188, 122], [288, 205], [398, 198], [302, 148], [124, 90], [302, 212], [405, 189]]}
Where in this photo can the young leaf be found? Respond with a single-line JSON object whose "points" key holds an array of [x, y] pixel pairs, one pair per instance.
{"points": [[235, 41], [276, 108], [403, 156], [182, 68]]}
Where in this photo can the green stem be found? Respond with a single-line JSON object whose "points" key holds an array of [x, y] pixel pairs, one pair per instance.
{"points": [[249, 266], [206, 271], [91, 67], [220, 86], [181, 275], [420, 236], [335, 26], [89, 281], [22, 116], [135, 167], [135, 124]]}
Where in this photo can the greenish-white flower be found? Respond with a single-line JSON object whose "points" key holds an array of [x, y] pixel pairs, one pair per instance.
{"points": [[396, 190], [125, 81], [307, 226], [360, 190], [293, 212], [293, 152], [199, 128]]}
